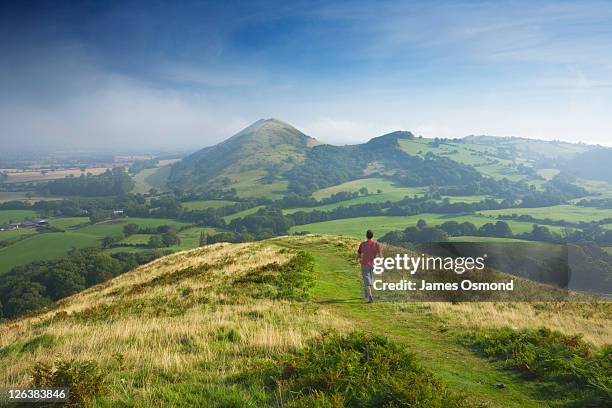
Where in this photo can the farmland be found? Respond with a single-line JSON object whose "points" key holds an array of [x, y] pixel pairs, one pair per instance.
{"points": [[205, 204], [79, 233], [356, 227], [29, 175], [569, 213], [15, 216]]}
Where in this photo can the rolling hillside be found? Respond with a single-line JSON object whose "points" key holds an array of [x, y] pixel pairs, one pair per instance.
{"points": [[271, 158], [234, 325], [251, 161]]}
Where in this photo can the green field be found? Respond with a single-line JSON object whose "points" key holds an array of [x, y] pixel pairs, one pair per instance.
{"points": [[53, 245], [68, 222], [190, 238], [548, 174], [597, 189], [205, 204], [42, 247], [356, 227], [136, 239], [389, 190], [468, 238], [240, 214], [570, 213], [380, 198], [249, 184], [16, 216], [13, 234], [104, 229]]}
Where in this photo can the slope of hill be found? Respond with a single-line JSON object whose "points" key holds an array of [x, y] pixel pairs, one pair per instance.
{"points": [[593, 165], [270, 158], [257, 155], [215, 326]]}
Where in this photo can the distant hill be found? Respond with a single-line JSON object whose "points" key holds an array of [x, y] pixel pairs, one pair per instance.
{"points": [[256, 155], [531, 148], [271, 158], [594, 164]]}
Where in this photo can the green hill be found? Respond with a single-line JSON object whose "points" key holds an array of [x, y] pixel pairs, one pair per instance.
{"points": [[248, 325], [271, 158], [252, 161]]}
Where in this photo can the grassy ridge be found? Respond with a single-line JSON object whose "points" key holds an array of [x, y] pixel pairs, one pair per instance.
{"points": [[218, 326]]}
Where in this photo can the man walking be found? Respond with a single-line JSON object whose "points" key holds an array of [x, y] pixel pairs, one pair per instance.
{"points": [[367, 252]]}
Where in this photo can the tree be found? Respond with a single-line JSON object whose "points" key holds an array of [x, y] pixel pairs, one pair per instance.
{"points": [[363, 191], [502, 229], [64, 279], [203, 238], [25, 297], [155, 242], [130, 229], [170, 238], [421, 224]]}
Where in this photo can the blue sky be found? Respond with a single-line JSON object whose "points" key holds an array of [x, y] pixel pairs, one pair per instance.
{"points": [[160, 74]]}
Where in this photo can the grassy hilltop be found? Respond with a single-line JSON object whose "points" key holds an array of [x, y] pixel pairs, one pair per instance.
{"points": [[248, 325]]}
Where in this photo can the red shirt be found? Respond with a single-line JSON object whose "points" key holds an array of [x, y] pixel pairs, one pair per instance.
{"points": [[368, 251]]}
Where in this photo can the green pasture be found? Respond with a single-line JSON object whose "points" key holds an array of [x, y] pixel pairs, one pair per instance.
{"points": [[389, 190], [356, 227], [206, 204], [43, 247], [240, 214], [381, 198], [16, 216], [190, 238], [68, 222], [250, 184], [104, 229], [570, 213]]}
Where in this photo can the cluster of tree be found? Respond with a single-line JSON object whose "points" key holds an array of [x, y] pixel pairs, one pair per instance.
{"points": [[110, 183], [266, 222], [500, 229], [37, 284], [404, 207], [167, 239], [417, 234], [597, 203], [162, 236]]}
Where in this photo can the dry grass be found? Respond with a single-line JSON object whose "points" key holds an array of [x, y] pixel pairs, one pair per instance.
{"points": [[591, 319], [150, 342]]}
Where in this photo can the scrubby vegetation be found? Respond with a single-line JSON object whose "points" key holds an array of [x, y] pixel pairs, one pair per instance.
{"points": [[360, 370], [545, 355], [83, 379]]}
